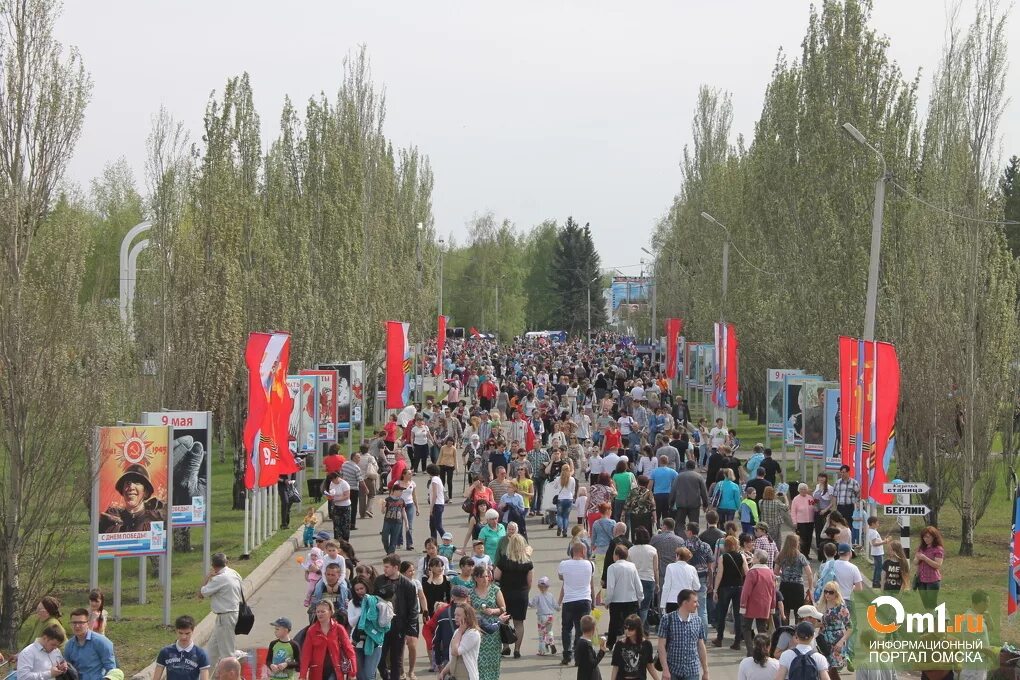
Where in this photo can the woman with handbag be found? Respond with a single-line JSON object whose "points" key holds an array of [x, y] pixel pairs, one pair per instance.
{"points": [[464, 647], [514, 573], [487, 599], [327, 651]]}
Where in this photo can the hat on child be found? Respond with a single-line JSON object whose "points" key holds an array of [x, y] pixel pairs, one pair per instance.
{"points": [[322, 536], [544, 581], [447, 536]]}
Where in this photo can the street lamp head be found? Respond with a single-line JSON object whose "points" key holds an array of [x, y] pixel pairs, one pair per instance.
{"points": [[420, 226], [708, 217], [645, 250], [856, 134]]}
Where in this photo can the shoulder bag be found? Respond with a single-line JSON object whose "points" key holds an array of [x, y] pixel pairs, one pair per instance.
{"points": [[245, 616]]}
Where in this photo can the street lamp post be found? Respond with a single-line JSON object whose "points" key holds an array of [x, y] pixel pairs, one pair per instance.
{"points": [[589, 307], [417, 252], [871, 301], [441, 242], [725, 263], [655, 289]]}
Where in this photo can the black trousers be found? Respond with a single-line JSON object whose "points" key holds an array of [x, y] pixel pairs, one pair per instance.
{"points": [[446, 476], [805, 530], [618, 613], [391, 664], [661, 507], [355, 495], [685, 515]]}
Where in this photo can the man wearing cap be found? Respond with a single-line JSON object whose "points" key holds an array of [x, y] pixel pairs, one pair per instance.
{"points": [[222, 586], [90, 653], [803, 634], [140, 508], [284, 656]]}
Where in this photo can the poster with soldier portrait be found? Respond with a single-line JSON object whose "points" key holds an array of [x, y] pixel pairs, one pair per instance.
{"points": [[344, 398], [130, 492], [812, 399], [191, 461], [793, 408]]}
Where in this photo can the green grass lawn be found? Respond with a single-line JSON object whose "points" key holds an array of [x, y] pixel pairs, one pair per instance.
{"points": [[139, 634]]}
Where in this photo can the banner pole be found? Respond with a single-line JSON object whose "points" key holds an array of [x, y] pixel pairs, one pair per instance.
{"points": [[207, 533], [245, 549], [94, 515], [169, 546], [116, 587], [143, 568]]}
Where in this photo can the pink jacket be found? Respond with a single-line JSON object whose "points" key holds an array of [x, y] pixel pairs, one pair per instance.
{"points": [[758, 596], [802, 509]]}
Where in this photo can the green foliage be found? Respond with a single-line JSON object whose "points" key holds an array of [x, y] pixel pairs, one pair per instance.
{"points": [[798, 202], [1010, 188], [576, 273]]}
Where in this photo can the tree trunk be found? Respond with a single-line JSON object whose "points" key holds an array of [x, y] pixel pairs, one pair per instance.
{"points": [[182, 539], [10, 621]]}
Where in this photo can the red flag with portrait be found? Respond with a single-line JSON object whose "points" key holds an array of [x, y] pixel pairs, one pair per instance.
{"points": [[266, 431], [673, 329]]}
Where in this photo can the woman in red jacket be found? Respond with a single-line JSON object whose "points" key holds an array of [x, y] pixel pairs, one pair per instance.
{"points": [[327, 651]]}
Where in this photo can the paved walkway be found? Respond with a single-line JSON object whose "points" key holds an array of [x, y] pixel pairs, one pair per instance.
{"points": [[283, 595]]}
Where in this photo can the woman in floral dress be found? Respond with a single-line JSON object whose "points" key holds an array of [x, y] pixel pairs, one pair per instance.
{"points": [[836, 629], [487, 600]]}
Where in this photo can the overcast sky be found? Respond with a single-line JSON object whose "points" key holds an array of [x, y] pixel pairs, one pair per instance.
{"points": [[532, 110]]}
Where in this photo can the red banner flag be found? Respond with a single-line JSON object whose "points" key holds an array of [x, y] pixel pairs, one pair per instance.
{"points": [[266, 431], [725, 387], [440, 344], [869, 394], [398, 365], [474, 332], [673, 328]]}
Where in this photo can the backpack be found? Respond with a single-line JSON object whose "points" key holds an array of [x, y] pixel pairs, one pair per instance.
{"points": [[826, 573], [803, 666], [385, 613]]}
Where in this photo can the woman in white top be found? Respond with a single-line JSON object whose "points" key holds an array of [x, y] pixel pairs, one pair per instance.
{"points": [[679, 576], [648, 461], [564, 488], [421, 437], [464, 645], [410, 504], [759, 666], [646, 559], [338, 491]]}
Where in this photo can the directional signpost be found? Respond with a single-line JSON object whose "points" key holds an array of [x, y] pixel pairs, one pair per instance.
{"points": [[903, 509], [906, 487], [908, 510]]}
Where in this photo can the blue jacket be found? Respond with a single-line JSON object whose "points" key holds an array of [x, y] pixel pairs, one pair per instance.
{"points": [[729, 495], [93, 659]]}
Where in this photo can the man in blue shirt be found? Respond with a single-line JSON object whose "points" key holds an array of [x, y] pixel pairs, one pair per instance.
{"points": [[662, 482], [183, 660], [89, 652]]}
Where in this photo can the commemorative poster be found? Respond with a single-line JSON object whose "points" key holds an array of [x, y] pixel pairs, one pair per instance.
{"points": [[190, 447], [832, 454], [357, 392], [343, 398], [774, 398], [812, 399], [327, 401], [130, 490], [707, 368], [303, 430], [793, 412]]}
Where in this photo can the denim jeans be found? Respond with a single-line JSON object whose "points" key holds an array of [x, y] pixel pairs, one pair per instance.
{"points": [[563, 516], [410, 508], [571, 613], [876, 574], [391, 530], [703, 601], [618, 509], [703, 454], [536, 499], [367, 665], [648, 591], [436, 529]]}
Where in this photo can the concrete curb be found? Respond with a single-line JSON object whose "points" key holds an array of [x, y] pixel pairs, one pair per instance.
{"points": [[255, 580]]}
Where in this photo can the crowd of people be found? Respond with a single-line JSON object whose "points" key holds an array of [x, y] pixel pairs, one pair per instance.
{"points": [[663, 527]]}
